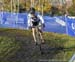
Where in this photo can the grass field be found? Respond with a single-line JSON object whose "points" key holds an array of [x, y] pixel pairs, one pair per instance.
{"points": [[18, 46]]}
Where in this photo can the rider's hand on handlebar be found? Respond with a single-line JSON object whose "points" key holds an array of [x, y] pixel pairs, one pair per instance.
{"points": [[43, 25]]}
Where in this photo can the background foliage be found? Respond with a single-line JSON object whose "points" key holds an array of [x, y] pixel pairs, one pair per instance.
{"points": [[44, 5]]}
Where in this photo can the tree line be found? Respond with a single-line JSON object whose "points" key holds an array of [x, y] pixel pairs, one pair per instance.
{"points": [[42, 6]]}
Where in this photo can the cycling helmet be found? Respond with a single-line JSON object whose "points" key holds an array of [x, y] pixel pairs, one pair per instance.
{"points": [[32, 10]]}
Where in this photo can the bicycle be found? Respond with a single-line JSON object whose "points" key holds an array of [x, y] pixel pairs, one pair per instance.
{"points": [[38, 37]]}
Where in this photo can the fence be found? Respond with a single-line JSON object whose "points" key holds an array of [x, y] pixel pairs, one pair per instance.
{"points": [[59, 24]]}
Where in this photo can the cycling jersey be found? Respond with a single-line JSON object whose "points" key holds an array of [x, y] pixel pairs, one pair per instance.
{"points": [[34, 21]]}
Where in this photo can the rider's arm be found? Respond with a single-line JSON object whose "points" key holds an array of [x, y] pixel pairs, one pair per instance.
{"points": [[42, 20], [29, 21]]}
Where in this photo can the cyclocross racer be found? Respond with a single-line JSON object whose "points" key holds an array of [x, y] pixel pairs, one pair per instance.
{"points": [[35, 20]]}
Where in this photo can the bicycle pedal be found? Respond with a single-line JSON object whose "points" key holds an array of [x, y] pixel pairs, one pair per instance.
{"points": [[42, 52], [36, 43], [42, 42]]}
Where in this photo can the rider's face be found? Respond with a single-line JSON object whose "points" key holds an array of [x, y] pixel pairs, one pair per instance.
{"points": [[33, 15]]}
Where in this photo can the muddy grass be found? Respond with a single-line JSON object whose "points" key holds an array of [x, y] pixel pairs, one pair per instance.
{"points": [[18, 46]]}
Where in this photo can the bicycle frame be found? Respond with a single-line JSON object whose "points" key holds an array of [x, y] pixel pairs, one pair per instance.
{"points": [[38, 38]]}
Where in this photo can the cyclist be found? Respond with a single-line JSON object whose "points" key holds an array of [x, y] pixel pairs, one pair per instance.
{"points": [[35, 20]]}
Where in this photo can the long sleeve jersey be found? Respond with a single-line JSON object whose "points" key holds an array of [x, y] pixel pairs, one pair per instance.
{"points": [[30, 19]]}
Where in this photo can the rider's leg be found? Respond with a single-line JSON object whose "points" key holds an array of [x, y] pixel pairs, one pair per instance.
{"points": [[33, 33], [41, 33]]}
